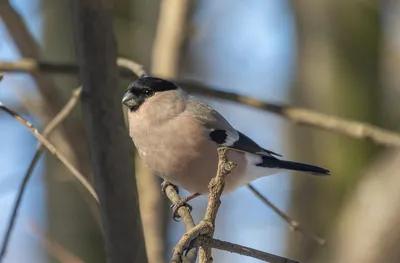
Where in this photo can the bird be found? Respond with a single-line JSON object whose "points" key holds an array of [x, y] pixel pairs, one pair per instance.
{"points": [[177, 137]]}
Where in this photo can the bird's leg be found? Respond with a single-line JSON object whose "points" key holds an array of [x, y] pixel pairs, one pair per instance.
{"points": [[182, 202], [165, 184]]}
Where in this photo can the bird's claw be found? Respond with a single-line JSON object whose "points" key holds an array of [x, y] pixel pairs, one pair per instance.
{"points": [[165, 184], [175, 207], [190, 246]]}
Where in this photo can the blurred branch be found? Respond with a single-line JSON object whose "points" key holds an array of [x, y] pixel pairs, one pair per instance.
{"points": [[111, 155], [53, 247], [293, 223], [53, 101], [373, 198], [354, 129], [52, 149], [134, 67], [169, 37], [31, 66], [47, 130]]}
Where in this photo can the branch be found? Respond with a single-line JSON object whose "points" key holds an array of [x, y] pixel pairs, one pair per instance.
{"points": [[353, 129], [134, 67], [187, 219], [111, 155], [206, 227], [294, 224], [32, 66], [52, 149], [216, 187], [241, 250], [47, 130], [201, 234]]}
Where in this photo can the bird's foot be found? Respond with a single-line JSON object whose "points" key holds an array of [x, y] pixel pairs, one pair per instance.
{"points": [[165, 184], [178, 204], [203, 230]]}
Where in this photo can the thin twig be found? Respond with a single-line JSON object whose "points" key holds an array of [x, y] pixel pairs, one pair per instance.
{"points": [[33, 66], [293, 223], [353, 129], [207, 225], [239, 249], [216, 187], [47, 130], [187, 219], [134, 67], [52, 149]]}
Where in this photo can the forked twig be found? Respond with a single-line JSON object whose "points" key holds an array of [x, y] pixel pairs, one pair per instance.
{"points": [[201, 234], [206, 226]]}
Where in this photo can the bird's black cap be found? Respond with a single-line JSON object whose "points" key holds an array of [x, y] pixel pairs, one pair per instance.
{"points": [[155, 84]]}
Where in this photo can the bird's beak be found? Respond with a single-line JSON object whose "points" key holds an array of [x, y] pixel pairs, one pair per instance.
{"points": [[128, 98]]}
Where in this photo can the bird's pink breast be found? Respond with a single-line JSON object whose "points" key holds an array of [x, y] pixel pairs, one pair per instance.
{"points": [[181, 152]]}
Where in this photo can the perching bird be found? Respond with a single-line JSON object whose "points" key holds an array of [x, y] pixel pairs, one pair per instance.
{"points": [[177, 137]]}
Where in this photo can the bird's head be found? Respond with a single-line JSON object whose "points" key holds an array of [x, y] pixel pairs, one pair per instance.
{"points": [[144, 88]]}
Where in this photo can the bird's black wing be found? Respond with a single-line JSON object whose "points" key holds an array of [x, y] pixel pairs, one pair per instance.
{"points": [[241, 142]]}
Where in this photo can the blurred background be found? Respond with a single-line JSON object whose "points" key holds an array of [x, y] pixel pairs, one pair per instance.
{"points": [[337, 57]]}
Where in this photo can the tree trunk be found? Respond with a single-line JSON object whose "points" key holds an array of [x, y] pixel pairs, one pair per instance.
{"points": [[111, 155], [337, 74], [71, 222]]}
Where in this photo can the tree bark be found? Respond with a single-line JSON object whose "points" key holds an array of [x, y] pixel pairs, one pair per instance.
{"points": [[71, 221], [109, 144]]}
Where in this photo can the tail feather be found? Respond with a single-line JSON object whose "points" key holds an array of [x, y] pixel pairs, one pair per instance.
{"points": [[303, 167], [276, 163]]}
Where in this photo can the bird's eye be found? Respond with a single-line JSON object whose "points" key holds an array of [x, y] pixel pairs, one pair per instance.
{"points": [[148, 92]]}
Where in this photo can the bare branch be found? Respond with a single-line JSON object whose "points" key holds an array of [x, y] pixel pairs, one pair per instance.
{"points": [[52, 149], [293, 223], [187, 219], [64, 112], [242, 250], [201, 234], [134, 67], [47, 130], [353, 129], [33, 66], [206, 227]]}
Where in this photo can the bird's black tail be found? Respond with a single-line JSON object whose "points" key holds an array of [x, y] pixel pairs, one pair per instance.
{"points": [[281, 164]]}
